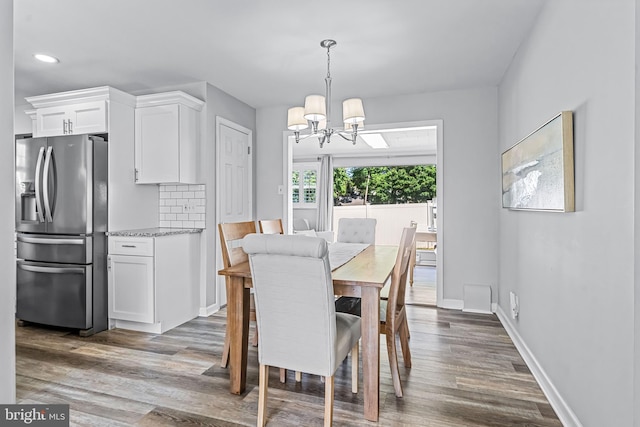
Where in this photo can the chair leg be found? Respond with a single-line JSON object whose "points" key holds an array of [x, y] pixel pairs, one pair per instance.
{"points": [[404, 342], [262, 395], [393, 362], [254, 339], [354, 367], [225, 350], [298, 376], [328, 401], [283, 375]]}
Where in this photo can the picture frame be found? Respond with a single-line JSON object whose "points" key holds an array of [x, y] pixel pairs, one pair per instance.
{"points": [[538, 171]]}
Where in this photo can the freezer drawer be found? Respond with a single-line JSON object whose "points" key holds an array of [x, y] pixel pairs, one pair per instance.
{"points": [[56, 295], [55, 248]]}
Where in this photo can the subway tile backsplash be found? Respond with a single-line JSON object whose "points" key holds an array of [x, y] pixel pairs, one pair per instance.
{"points": [[182, 206]]}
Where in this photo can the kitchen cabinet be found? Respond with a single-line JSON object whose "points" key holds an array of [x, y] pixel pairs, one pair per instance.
{"points": [[131, 280], [167, 130], [153, 280], [74, 112], [109, 112], [86, 117]]}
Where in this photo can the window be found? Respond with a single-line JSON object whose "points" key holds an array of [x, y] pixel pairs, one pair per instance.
{"points": [[304, 178]]}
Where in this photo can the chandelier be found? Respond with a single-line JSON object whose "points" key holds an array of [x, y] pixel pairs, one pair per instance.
{"points": [[317, 112]]}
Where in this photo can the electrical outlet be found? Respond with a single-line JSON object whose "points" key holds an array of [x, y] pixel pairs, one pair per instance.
{"points": [[189, 206], [515, 305]]}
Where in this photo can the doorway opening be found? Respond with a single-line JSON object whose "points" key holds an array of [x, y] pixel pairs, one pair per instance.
{"points": [[409, 146]]}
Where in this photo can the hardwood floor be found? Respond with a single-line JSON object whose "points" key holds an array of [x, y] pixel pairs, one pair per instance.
{"points": [[466, 372], [423, 291]]}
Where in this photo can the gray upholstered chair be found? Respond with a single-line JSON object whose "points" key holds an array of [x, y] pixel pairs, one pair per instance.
{"points": [[305, 333], [357, 230], [354, 230]]}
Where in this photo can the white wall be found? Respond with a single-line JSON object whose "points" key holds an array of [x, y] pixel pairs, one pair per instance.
{"points": [[573, 272], [469, 210], [7, 259], [22, 122], [636, 352]]}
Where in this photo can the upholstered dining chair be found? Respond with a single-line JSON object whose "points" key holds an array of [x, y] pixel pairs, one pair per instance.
{"points": [[354, 230], [271, 226], [274, 226], [357, 230], [306, 335]]}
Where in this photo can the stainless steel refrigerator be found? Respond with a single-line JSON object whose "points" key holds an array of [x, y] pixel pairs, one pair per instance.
{"points": [[61, 220]]}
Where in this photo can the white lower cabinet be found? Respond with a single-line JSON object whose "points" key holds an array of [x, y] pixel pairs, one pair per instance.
{"points": [[153, 281], [131, 288]]}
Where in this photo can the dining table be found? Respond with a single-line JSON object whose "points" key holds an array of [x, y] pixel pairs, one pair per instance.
{"points": [[362, 276]]}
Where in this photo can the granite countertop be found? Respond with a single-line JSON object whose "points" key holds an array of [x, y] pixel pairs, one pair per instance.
{"points": [[154, 232]]}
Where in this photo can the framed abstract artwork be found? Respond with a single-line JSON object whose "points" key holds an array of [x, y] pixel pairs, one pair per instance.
{"points": [[537, 172]]}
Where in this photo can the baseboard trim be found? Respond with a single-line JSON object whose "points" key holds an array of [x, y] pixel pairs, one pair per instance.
{"points": [[564, 412], [208, 310]]}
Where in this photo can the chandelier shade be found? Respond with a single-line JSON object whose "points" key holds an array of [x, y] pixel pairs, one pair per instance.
{"points": [[317, 112], [315, 108], [296, 120], [352, 111]]}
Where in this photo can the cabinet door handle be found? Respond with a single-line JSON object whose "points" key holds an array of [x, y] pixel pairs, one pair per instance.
{"points": [[70, 126], [64, 127], [129, 246]]}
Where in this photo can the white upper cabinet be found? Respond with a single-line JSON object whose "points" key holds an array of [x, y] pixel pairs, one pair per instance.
{"points": [[167, 129], [75, 112], [86, 117]]}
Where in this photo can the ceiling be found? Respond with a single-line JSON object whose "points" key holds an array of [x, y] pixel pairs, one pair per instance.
{"points": [[414, 142], [268, 53]]}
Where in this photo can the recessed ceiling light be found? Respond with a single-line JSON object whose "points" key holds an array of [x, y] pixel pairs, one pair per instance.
{"points": [[374, 140], [46, 58]]}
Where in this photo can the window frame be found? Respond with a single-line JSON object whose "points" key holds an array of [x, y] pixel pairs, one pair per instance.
{"points": [[302, 167]]}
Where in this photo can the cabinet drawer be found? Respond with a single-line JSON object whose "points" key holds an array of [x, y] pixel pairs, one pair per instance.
{"points": [[141, 246]]}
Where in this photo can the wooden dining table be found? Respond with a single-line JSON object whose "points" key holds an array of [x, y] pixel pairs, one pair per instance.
{"points": [[363, 276]]}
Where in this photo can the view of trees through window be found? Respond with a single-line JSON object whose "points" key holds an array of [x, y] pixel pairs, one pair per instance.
{"points": [[384, 184]]}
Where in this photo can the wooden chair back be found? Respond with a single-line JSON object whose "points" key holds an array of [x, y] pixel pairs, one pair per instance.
{"points": [[399, 274], [271, 226], [230, 235]]}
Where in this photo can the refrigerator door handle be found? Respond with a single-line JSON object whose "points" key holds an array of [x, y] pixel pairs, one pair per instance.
{"points": [[54, 270], [45, 241], [38, 189], [45, 184]]}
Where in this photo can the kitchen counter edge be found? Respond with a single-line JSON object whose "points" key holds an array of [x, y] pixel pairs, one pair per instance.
{"points": [[154, 232]]}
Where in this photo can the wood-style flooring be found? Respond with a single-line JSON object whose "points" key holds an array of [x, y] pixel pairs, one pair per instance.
{"points": [[466, 372]]}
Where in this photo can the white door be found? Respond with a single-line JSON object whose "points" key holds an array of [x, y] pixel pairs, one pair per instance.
{"points": [[234, 177]]}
